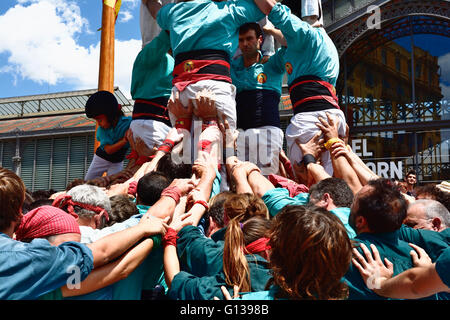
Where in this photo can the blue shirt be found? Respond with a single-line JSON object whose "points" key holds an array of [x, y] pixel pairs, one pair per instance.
{"points": [[259, 76], [29, 270], [113, 134], [205, 24], [310, 50], [277, 198]]}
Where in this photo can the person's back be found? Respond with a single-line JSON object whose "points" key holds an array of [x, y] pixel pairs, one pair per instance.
{"points": [[29, 270], [196, 25], [204, 37], [377, 213]]}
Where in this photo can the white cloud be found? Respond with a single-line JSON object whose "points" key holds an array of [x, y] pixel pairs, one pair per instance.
{"points": [[125, 16], [131, 3], [43, 46]]}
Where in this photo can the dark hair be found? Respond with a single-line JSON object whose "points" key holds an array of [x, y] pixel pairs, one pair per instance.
{"points": [[383, 207], [12, 195], [39, 203], [251, 26], [311, 252], [27, 202], [103, 103], [216, 209], [121, 209], [74, 183], [42, 194], [172, 170], [337, 188], [150, 186], [433, 192], [410, 171]]}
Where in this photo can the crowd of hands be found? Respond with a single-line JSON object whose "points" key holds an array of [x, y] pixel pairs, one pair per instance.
{"points": [[198, 187]]}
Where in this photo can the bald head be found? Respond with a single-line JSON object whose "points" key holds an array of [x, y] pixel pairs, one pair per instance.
{"points": [[427, 214]]}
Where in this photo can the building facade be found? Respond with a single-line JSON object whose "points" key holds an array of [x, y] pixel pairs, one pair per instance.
{"points": [[47, 139], [394, 83]]}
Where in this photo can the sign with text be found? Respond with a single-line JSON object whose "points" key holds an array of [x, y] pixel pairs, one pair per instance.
{"points": [[391, 169]]}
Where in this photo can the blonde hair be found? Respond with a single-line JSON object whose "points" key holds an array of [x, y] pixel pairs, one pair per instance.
{"points": [[237, 236], [244, 206]]}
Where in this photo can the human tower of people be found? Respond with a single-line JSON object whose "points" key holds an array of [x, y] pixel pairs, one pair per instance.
{"points": [[209, 205]]}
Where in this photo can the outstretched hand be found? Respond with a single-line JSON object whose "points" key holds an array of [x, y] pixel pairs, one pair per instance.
{"points": [[313, 147], [372, 269], [227, 295], [206, 105], [175, 107], [329, 127]]}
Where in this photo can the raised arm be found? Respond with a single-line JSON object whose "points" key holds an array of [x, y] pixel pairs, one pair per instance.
{"points": [[341, 167], [363, 172], [112, 246], [112, 272]]}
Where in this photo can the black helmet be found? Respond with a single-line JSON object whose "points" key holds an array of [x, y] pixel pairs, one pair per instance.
{"points": [[102, 102]]}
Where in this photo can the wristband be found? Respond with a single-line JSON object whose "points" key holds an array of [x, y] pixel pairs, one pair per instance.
{"points": [[308, 158], [169, 142], [132, 188], [170, 238], [156, 241], [183, 123], [330, 142], [212, 122], [172, 192], [203, 203], [166, 148]]}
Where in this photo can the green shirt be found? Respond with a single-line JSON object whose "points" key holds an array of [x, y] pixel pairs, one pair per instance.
{"points": [[443, 267], [152, 70], [433, 242], [390, 246], [186, 286]]}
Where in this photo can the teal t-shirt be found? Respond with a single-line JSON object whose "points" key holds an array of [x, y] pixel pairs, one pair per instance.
{"points": [[310, 51], [205, 24], [152, 70], [277, 198], [443, 267], [267, 76], [113, 134]]}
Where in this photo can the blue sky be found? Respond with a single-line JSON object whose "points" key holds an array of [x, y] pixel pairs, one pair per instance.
{"points": [[51, 46]]}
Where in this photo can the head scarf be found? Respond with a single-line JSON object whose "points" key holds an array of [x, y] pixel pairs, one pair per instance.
{"points": [[46, 221], [66, 200]]}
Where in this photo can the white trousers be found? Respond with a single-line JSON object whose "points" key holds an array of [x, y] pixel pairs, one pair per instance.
{"points": [[99, 166], [224, 95], [303, 127], [152, 132]]}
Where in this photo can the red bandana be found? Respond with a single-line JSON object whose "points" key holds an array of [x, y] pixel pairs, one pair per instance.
{"points": [[46, 221]]}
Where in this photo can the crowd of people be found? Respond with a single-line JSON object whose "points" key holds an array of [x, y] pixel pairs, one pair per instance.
{"points": [[210, 206]]}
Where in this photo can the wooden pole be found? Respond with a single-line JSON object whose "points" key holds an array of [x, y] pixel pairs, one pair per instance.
{"points": [[106, 68]]}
